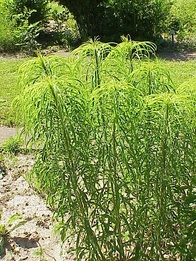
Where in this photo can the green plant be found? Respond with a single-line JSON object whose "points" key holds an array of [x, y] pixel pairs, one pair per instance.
{"points": [[6, 229], [42, 255], [27, 35], [118, 150], [180, 71], [7, 28], [60, 17], [71, 35], [146, 17], [38, 9], [142, 19], [64, 26], [182, 19], [12, 145], [16, 30]]}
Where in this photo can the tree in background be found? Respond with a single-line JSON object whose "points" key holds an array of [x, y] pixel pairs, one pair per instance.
{"points": [[109, 19]]}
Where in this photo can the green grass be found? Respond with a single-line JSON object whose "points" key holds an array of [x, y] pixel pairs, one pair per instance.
{"points": [[181, 71], [8, 88]]}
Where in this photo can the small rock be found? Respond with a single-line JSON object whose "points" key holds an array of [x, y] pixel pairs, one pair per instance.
{"points": [[17, 250]]}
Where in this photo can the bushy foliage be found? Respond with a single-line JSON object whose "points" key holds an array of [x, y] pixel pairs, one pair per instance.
{"points": [[7, 28], [38, 9], [182, 19], [117, 151], [143, 19], [64, 26], [16, 31]]}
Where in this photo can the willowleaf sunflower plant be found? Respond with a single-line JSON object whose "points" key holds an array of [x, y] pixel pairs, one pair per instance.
{"points": [[117, 149]]}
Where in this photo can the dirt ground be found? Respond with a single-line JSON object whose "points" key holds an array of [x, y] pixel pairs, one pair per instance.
{"points": [[177, 56], [6, 132], [35, 240], [168, 55]]}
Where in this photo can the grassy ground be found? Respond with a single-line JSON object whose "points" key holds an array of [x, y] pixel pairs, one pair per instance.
{"points": [[8, 88], [181, 71]]}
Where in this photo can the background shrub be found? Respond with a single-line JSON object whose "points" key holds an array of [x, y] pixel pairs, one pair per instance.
{"points": [[38, 9], [182, 19], [140, 19], [111, 19], [7, 28], [17, 32], [64, 26]]}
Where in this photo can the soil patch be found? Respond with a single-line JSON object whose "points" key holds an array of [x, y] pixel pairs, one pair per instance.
{"points": [[6, 133], [168, 55], [35, 240], [177, 56]]}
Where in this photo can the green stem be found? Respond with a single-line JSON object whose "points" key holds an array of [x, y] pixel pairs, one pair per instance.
{"points": [[117, 195], [162, 194], [77, 192], [97, 70]]}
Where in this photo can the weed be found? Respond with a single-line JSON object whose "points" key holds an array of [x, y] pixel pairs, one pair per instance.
{"points": [[12, 145], [41, 253], [6, 229]]}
